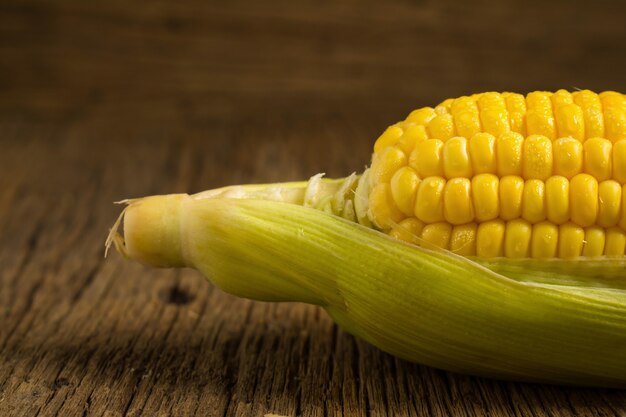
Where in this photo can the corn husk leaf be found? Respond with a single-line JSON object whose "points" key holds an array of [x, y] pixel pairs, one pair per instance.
{"points": [[498, 319]]}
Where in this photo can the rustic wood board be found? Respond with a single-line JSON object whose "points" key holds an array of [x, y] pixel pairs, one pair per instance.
{"points": [[108, 101]]}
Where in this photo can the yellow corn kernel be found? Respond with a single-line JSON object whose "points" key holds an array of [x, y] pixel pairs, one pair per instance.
{"points": [[403, 124], [441, 127], [463, 239], [598, 158], [545, 237], [421, 116], [612, 98], [614, 111], [490, 239], [571, 240], [594, 242], [568, 157], [509, 149], [609, 203], [511, 195], [485, 196], [561, 98], [404, 185], [446, 105], [568, 116], [533, 201], [438, 234], [466, 117], [615, 242], [570, 122], [386, 164], [408, 230], [482, 149], [557, 199], [411, 136], [517, 239], [440, 110], [516, 107], [619, 161], [493, 115], [429, 201], [456, 158], [590, 104], [382, 209], [457, 202], [584, 200], [389, 138], [462, 103], [539, 116], [537, 159], [427, 158]]}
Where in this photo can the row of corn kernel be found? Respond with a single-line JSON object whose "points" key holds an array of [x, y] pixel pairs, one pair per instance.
{"points": [[535, 157], [466, 116], [579, 115], [581, 200], [515, 239]]}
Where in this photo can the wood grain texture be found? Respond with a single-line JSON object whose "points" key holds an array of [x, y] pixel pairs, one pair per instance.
{"points": [[101, 101]]}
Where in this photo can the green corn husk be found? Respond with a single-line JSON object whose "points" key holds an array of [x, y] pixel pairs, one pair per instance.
{"points": [[545, 321]]}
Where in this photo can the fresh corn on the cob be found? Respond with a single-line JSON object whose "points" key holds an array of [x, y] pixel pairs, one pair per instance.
{"points": [[487, 237], [493, 184]]}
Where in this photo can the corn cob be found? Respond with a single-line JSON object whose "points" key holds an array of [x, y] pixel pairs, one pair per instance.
{"points": [[462, 193], [487, 237]]}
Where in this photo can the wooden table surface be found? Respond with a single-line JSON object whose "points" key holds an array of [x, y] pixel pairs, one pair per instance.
{"points": [[104, 100]]}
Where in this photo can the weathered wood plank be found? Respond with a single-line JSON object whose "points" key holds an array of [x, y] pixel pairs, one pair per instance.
{"points": [[368, 54], [102, 101]]}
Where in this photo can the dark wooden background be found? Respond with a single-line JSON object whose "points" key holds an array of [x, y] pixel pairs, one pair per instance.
{"points": [[102, 100]]}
